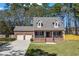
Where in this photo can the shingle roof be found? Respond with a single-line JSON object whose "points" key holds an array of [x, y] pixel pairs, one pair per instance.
{"points": [[47, 21], [23, 28]]}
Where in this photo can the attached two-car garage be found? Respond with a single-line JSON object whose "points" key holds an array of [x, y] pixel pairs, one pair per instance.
{"points": [[24, 37], [23, 32], [20, 37]]}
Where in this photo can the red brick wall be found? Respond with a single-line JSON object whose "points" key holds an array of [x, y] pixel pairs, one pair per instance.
{"points": [[49, 39], [38, 39]]}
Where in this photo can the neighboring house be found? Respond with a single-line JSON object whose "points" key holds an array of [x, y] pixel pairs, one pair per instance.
{"points": [[44, 29]]}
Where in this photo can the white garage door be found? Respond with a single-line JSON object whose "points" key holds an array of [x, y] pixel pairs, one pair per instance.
{"points": [[28, 37], [20, 37]]}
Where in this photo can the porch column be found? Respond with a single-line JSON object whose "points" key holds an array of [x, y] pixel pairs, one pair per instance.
{"points": [[44, 34], [52, 34], [33, 34], [63, 33]]}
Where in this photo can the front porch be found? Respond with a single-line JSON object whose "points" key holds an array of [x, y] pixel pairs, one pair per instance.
{"points": [[47, 36]]}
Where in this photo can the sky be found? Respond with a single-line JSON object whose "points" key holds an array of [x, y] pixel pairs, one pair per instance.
{"points": [[51, 4], [2, 5]]}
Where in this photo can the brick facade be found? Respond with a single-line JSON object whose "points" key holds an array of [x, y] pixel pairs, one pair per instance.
{"points": [[45, 39], [38, 39]]}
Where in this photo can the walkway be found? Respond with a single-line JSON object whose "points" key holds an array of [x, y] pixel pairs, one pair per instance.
{"points": [[16, 48]]}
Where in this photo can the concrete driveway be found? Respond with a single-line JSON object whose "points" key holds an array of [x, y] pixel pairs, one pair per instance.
{"points": [[16, 48]]}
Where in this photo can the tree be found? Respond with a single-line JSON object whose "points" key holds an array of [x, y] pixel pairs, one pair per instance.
{"points": [[45, 5], [67, 12], [57, 7], [76, 15], [35, 10], [55, 10], [4, 28], [21, 17], [72, 11]]}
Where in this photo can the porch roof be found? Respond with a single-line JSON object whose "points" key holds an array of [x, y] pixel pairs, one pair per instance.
{"points": [[49, 29], [31, 28]]}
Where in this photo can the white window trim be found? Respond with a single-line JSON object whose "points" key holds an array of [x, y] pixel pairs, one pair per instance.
{"points": [[56, 25], [39, 24]]}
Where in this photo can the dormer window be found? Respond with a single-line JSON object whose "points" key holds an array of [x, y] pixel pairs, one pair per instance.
{"points": [[39, 24], [53, 24], [56, 24]]}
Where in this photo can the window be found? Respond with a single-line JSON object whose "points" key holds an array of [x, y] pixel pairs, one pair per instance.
{"points": [[48, 34], [56, 24], [57, 34], [39, 24], [53, 23], [39, 34]]}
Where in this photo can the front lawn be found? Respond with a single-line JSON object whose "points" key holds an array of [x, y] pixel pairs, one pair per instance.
{"points": [[66, 48], [7, 39]]}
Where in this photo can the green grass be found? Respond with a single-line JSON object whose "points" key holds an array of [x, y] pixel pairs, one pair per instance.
{"points": [[66, 48], [7, 39]]}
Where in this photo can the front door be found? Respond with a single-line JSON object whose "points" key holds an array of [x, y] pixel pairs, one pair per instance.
{"points": [[49, 36]]}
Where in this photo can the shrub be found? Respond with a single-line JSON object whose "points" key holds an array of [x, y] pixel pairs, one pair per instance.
{"points": [[2, 43], [38, 52], [32, 40], [7, 39]]}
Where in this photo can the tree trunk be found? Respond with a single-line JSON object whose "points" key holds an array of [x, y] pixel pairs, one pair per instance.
{"points": [[76, 27]]}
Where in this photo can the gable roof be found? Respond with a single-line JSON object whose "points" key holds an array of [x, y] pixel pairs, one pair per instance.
{"points": [[47, 18], [47, 21], [23, 28]]}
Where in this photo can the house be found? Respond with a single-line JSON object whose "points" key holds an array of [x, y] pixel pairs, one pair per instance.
{"points": [[43, 29]]}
